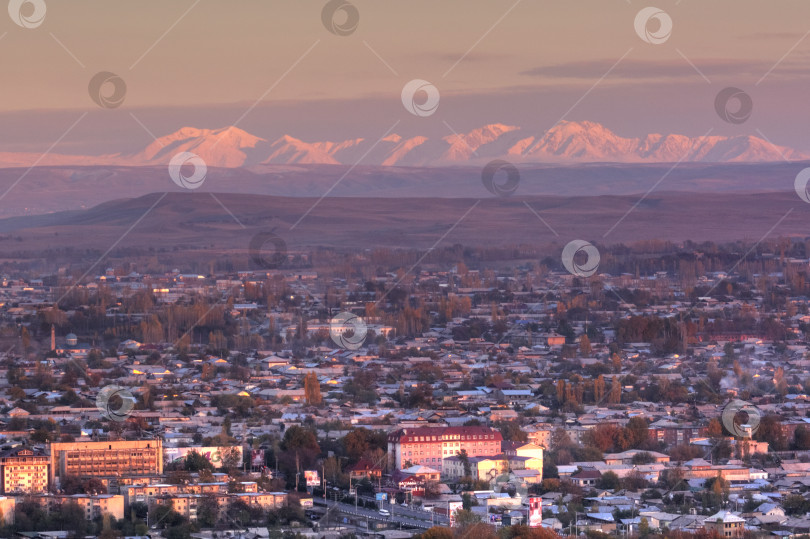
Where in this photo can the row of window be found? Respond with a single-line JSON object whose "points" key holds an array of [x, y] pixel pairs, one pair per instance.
{"points": [[450, 437]]}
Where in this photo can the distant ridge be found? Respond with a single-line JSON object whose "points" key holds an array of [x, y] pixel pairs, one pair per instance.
{"points": [[566, 142]]}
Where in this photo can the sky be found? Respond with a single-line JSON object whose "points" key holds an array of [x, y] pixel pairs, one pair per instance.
{"points": [[273, 68]]}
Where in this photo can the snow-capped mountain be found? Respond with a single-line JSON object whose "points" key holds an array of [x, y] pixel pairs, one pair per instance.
{"points": [[566, 142], [227, 147]]}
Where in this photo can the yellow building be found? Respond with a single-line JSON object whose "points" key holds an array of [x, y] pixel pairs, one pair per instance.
{"points": [[726, 524], [484, 468], [23, 471], [523, 456], [187, 504], [106, 459], [265, 500], [540, 434], [94, 506], [147, 493]]}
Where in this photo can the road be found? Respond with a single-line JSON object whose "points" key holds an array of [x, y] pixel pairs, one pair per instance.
{"points": [[400, 515]]}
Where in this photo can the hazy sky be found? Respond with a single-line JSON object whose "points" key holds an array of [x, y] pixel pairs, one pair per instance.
{"points": [[207, 63]]}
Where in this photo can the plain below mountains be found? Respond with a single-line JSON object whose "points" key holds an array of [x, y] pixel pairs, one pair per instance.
{"points": [[222, 226]]}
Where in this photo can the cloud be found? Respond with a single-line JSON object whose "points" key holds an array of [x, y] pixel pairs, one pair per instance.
{"points": [[472, 57], [669, 69], [771, 35]]}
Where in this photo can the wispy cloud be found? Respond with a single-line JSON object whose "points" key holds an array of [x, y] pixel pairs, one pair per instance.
{"points": [[667, 69]]}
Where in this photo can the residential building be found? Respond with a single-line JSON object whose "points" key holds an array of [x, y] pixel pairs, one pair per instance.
{"points": [[430, 445], [725, 524], [106, 459], [24, 471]]}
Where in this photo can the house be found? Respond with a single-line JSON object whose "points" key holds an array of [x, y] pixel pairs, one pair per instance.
{"points": [[365, 468], [725, 524], [628, 457], [585, 478]]}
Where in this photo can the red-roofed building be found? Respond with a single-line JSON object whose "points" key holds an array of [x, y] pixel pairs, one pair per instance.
{"points": [[428, 446], [365, 468]]}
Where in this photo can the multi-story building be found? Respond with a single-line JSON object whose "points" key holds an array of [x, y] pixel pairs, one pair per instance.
{"points": [[94, 506], [106, 459], [146, 493], [265, 500], [478, 468], [540, 434], [430, 445], [725, 524], [515, 456], [187, 504], [24, 471], [673, 433]]}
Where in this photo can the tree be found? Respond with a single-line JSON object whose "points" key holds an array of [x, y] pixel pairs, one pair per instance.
{"points": [[599, 389], [616, 362], [585, 345], [795, 504], [465, 461], [615, 391], [26, 339], [801, 438], [608, 481], [644, 528], [71, 516], [356, 443], [312, 390], [634, 481], [75, 485], [301, 446], [510, 430], [467, 501], [432, 490], [638, 429], [178, 477], [231, 459], [603, 437], [525, 532], [770, 430], [436, 532], [643, 458], [195, 462]]}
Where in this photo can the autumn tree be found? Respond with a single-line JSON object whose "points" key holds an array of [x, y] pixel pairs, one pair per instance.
{"points": [[26, 340], [770, 430], [585, 345], [312, 390], [615, 391], [616, 361], [436, 532], [598, 389]]}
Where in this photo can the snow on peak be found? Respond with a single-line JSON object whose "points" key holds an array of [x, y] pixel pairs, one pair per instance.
{"points": [[566, 141]]}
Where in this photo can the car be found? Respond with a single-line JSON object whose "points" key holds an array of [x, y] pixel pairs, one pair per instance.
{"points": [[385, 512]]}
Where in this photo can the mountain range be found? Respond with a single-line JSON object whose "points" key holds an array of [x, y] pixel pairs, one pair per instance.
{"points": [[566, 142]]}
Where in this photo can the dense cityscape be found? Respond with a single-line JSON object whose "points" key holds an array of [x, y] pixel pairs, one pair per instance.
{"points": [[516, 399], [389, 270]]}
